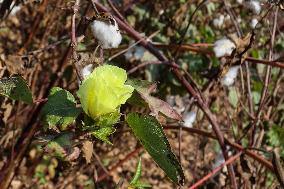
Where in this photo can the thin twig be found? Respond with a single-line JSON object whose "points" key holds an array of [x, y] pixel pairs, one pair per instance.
{"points": [[216, 170], [236, 146], [133, 45], [74, 41], [267, 79], [118, 164]]}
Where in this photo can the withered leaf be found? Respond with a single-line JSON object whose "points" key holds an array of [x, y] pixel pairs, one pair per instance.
{"points": [[87, 150]]}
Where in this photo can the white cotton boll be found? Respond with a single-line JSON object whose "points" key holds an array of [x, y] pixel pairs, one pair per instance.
{"points": [[129, 54], [240, 1], [135, 53], [218, 22], [218, 160], [87, 70], [189, 119], [15, 10], [223, 47], [139, 52], [230, 76], [253, 23], [255, 6], [107, 34]]}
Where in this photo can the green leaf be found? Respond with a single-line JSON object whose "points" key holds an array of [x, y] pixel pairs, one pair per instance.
{"points": [[103, 133], [276, 136], [108, 119], [16, 88], [60, 146], [233, 97], [137, 173], [135, 182], [141, 184], [150, 133], [60, 109]]}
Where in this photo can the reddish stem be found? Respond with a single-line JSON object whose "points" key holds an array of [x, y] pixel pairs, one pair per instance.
{"points": [[217, 169]]}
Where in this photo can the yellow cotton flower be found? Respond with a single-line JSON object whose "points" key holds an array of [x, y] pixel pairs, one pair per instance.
{"points": [[103, 91]]}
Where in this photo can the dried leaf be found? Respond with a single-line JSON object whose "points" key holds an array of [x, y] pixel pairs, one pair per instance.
{"points": [[156, 105], [87, 150]]}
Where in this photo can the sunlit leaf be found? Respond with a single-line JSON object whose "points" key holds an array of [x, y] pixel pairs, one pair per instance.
{"points": [[16, 88], [103, 132], [60, 109], [135, 182]]}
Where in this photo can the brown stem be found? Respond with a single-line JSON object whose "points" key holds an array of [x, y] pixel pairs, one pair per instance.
{"points": [[250, 153], [74, 41], [267, 78]]}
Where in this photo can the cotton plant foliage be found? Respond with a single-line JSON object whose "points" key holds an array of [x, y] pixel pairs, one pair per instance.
{"points": [[104, 90]]}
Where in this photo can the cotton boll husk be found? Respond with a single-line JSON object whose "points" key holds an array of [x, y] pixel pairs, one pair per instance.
{"points": [[87, 70], [230, 76], [223, 47], [108, 35], [254, 5], [189, 119], [253, 23]]}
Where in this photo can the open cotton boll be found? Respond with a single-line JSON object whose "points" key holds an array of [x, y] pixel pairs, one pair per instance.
{"points": [[218, 22], [189, 118], [107, 34], [253, 23], [135, 53], [254, 5], [16, 8], [87, 70], [223, 47], [230, 76], [240, 1]]}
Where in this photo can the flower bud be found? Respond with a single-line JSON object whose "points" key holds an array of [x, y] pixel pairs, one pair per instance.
{"points": [[103, 91]]}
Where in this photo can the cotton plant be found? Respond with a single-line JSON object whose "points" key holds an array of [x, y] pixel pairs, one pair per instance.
{"points": [[95, 110], [223, 47]]}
